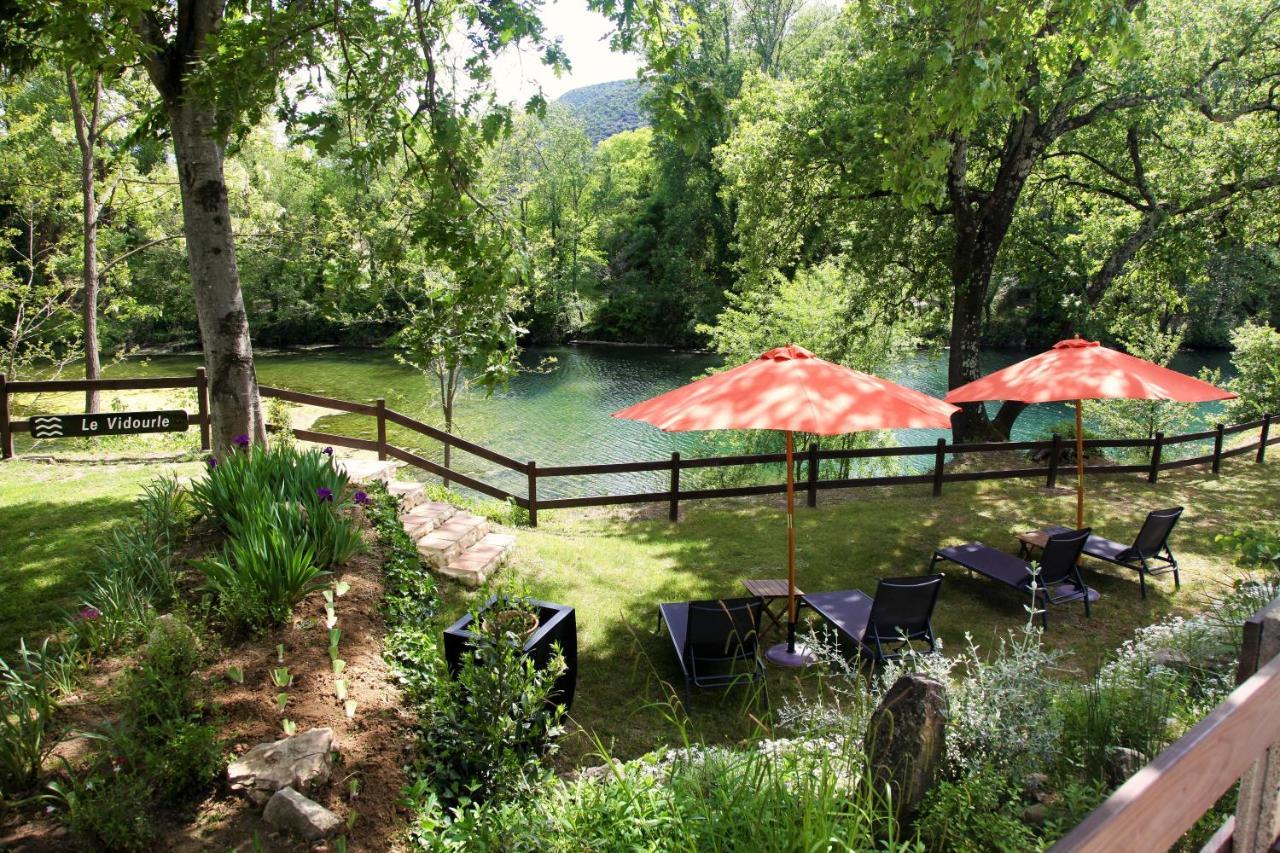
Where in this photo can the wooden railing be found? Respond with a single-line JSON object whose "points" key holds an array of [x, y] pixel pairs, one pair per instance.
{"points": [[808, 464], [8, 427], [1240, 738]]}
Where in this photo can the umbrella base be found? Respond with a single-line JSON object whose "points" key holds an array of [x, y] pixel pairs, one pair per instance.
{"points": [[780, 656]]}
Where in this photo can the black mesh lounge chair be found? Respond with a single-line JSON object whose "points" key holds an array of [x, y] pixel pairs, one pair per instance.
{"points": [[1058, 581], [714, 639], [1148, 555], [882, 627]]}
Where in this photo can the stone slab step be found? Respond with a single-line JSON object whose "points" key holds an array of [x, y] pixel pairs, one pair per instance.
{"points": [[368, 470], [455, 535], [476, 564], [408, 493], [426, 517]]}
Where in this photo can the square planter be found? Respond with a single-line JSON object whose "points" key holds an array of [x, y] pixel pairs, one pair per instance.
{"points": [[556, 625]]}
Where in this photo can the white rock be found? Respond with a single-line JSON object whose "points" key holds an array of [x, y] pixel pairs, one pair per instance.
{"points": [[301, 762], [290, 811]]}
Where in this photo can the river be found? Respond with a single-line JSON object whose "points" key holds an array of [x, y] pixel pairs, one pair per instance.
{"points": [[558, 410]]}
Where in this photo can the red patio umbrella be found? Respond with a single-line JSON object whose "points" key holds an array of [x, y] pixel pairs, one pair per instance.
{"points": [[792, 390], [1076, 370]]}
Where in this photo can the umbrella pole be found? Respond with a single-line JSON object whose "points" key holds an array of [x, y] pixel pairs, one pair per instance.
{"points": [[788, 653], [1079, 466], [791, 545]]}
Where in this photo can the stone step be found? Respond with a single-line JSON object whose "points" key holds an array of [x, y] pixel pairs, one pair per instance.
{"points": [[426, 517], [368, 470], [474, 565], [408, 493], [455, 535]]}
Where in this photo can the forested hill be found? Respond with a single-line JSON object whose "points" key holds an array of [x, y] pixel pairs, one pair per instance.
{"points": [[607, 108]]}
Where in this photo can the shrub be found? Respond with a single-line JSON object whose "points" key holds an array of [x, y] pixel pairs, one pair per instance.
{"points": [[484, 733], [26, 711], [1100, 717], [159, 753], [116, 609], [979, 812], [1257, 363]]}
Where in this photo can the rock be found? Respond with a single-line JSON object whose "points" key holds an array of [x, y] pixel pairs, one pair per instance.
{"points": [[1035, 814], [602, 772], [1171, 659], [301, 762], [1035, 786], [905, 739], [289, 811], [1123, 763]]}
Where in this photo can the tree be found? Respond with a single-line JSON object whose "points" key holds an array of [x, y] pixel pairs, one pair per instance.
{"points": [[217, 65]]}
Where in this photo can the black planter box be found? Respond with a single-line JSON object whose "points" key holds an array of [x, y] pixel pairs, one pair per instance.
{"points": [[556, 625]]}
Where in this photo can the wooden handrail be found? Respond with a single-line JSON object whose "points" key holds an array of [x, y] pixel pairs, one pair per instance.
{"points": [[1164, 799]]}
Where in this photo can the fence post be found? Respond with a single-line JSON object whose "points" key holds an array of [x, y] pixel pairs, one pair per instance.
{"points": [[1217, 450], [1154, 471], [202, 407], [6, 434], [1055, 457], [1262, 438], [673, 513], [813, 474], [1257, 822], [532, 468], [939, 459], [381, 405]]}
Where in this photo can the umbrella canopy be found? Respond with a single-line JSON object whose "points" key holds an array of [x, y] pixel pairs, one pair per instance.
{"points": [[792, 390], [1077, 370], [789, 388]]}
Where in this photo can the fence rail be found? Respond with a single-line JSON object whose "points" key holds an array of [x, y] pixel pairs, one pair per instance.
{"points": [[1240, 738], [809, 478]]}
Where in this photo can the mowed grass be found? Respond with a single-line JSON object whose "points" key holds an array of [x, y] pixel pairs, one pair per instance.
{"points": [[51, 517], [615, 569]]}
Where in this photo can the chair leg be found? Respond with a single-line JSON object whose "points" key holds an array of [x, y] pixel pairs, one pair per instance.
{"points": [[1177, 582], [1142, 579]]}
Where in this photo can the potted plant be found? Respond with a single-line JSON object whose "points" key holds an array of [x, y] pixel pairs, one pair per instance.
{"points": [[516, 620]]}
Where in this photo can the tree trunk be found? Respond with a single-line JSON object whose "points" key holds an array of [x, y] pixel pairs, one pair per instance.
{"points": [[87, 138], [224, 327]]}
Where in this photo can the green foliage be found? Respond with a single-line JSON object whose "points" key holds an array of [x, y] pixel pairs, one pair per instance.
{"points": [[266, 567], [1257, 363], [607, 109], [484, 733], [410, 598], [27, 704], [1101, 716], [160, 753], [978, 812]]}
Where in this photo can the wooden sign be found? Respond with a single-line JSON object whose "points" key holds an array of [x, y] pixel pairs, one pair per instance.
{"points": [[107, 423]]}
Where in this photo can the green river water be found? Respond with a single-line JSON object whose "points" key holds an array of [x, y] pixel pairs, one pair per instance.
{"points": [[562, 415]]}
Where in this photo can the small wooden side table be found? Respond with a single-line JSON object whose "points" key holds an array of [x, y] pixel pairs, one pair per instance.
{"points": [[772, 590], [1028, 542]]}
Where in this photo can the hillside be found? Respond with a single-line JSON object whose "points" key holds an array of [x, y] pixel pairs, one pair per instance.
{"points": [[607, 108]]}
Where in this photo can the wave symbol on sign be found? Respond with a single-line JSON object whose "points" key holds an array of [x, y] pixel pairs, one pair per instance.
{"points": [[46, 427]]}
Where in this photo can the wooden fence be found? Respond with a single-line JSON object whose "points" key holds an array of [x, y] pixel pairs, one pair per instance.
{"points": [[1239, 740], [808, 463]]}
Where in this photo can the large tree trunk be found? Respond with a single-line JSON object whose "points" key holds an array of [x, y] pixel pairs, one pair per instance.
{"points": [[87, 138], [211, 258], [235, 408]]}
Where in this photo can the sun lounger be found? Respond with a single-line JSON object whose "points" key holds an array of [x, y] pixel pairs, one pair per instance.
{"points": [[1058, 580], [1149, 555], [882, 627], [714, 639]]}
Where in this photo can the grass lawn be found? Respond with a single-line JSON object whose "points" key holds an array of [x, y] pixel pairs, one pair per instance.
{"points": [[615, 570], [51, 516], [616, 567]]}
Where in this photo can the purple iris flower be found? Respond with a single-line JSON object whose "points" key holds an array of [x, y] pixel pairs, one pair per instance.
{"points": [[328, 451], [213, 462], [361, 498], [325, 494], [89, 612], [242, 441]]}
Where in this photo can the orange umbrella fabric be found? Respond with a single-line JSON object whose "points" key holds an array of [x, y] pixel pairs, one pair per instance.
{"points": [[791, 389], [1077, 369]]}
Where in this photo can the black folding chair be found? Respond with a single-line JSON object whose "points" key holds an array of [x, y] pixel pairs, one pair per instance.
{"points": [[884, 626], [714, 639]]}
